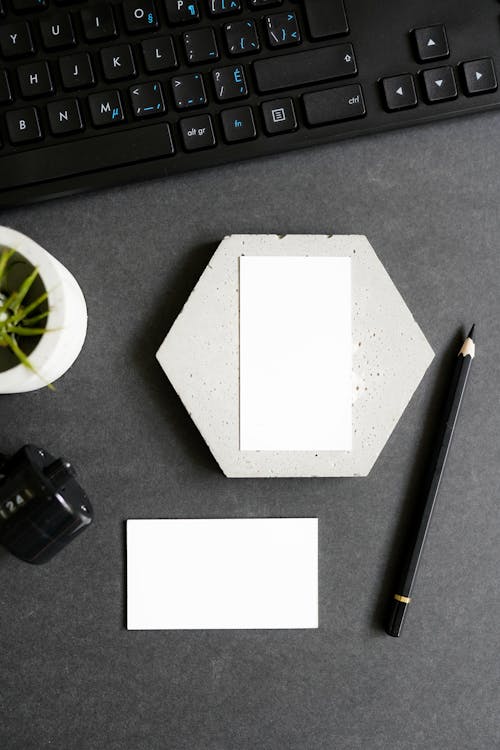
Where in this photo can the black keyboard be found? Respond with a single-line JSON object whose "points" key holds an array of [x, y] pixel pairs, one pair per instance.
{"points": [[100, 93]]}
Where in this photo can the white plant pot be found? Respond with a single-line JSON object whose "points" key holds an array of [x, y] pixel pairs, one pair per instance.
{"points": [[67, 320]]}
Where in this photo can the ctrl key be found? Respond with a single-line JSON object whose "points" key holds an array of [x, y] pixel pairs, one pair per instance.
{"points": [[197, 132], [333, 105]]}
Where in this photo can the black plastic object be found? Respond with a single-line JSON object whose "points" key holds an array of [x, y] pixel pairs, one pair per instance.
{"points": [[124, 93], [396, 618], [42, 506]]}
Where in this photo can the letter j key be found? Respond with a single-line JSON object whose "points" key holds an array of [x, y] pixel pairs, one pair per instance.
{"points": [[76, 71]]}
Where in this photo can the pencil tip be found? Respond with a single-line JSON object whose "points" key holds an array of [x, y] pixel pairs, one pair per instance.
{"points": [[471, 332]]}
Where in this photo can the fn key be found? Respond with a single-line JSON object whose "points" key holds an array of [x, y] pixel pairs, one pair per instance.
{"points": [[333, 105]]}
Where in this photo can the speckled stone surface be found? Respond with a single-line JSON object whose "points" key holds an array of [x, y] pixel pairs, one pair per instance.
{"points": [[200, 355]]}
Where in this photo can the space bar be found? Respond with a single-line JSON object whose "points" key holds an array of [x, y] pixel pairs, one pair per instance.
{"points": [[87, 155]]}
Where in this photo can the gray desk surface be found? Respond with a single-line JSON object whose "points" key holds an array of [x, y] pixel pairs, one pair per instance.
{"points": [[72, 677]]}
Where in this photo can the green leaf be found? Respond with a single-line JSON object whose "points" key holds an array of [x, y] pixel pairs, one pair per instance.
{"points": [[19, 353], [36, 318], [29, 308], [23, 331], [5, 256], [24, 289], [7, 304], [24, 360]]}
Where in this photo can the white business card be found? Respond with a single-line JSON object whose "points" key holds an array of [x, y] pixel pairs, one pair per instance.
{"points": [[295, 353], [222, 573]]}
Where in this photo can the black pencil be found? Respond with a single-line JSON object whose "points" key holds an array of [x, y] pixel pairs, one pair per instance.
{"points": [[402, 597]]}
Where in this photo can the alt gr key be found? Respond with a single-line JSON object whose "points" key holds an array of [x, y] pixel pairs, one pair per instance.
{"points": [[197, 132]]}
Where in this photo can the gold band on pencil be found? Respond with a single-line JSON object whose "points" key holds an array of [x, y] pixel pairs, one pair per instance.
{"points": [[404, 599]]}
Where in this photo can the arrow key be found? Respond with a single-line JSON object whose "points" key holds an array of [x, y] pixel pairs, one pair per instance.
{"points": [[399, 92], [147, 99], [431, 43], [479, 76], [439, 84]]}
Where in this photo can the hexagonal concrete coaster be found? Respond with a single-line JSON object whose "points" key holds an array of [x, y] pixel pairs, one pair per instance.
{"points": [[200, 355]]}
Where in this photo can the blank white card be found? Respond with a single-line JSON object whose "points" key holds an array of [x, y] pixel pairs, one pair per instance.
{"points": [[222, 573], [295, 354]]}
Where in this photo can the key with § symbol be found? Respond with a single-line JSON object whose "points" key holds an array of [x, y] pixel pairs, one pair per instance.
{"points": [[147, 99]]}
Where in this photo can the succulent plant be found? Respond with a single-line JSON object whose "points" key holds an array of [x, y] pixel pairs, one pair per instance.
{"points": [[19, 319]]}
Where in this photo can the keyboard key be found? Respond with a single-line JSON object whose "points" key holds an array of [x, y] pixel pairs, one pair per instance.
{"points": [[197, 132], [140, 15], [5, 92], [189, 91], [159, 54], [35, 80], [117, 62], [15, 40], [28, 6], [147, 99], [57, 31], [182, 11], [399, 92], [326, 18], [334, 105], [439, 84], [263, 3], [23, 125], [431, 43], [230, 82], [242, 37], [102, 152], [301, 68], [76, 71], [479, 76], [64, 117], [238, 124], [106, 108], [223, 7], [282, 29], [98, 22], [200, 46], [279, 116]]}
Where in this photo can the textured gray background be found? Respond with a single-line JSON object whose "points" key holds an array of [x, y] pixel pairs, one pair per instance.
{"points": [[71, 676]]}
